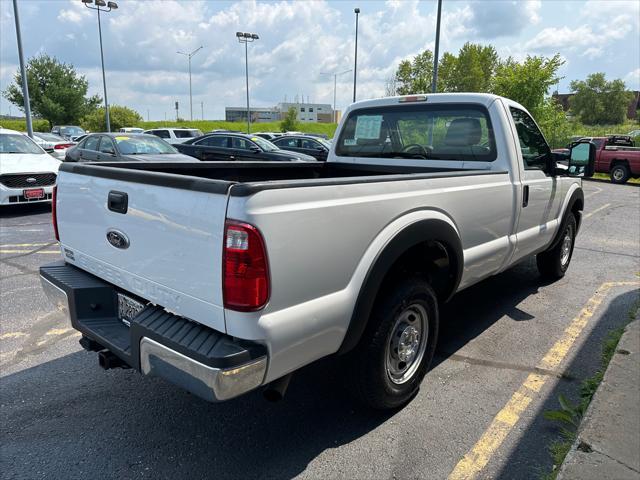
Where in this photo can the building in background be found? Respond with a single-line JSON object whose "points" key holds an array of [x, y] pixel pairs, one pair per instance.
{"points": [[307, 113]]}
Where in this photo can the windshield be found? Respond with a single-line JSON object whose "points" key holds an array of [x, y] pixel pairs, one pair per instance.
{"points": [[430, 132], [16, 143], [266, 145], [72, 131], [139, 145]]}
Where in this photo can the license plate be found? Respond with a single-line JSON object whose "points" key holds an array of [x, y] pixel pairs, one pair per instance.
{"points": [[128, 308], [33, 193]]}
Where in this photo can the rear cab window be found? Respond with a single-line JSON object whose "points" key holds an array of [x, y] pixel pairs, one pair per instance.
{"points": [[430, 132]]}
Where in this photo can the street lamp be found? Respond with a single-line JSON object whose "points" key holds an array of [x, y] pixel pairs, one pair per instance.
{"points": [[435, 58], [355, 61], [109, 6], [189, 55], [335, 79], [247, 38]]}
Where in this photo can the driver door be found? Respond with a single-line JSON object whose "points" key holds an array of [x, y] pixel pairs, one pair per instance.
{"points": [[541, 191]]}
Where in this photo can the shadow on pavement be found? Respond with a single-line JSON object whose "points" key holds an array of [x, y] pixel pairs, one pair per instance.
{"points": [[13, 211], [531, 456]]}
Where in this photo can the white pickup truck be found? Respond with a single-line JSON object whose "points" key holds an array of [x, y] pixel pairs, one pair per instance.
{"points": [[226, 277]]}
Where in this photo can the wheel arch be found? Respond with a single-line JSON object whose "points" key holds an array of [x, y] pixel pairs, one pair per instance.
{"points": [[574, 204], [416, 241]]}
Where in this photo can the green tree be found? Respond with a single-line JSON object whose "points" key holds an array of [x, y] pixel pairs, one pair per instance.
{"points": [[57, 92], [119, 117], [599, 102], [527, 83], [290, 121], [471, 71], [415, 76]]}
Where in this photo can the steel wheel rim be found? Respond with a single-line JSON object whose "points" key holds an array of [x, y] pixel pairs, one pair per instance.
{"points": [[618, 174], [567, 241], [407, 343]]}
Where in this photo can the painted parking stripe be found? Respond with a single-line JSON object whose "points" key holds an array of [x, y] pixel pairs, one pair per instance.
{"points": [[477, 458], [599, 209], [30, 251]]}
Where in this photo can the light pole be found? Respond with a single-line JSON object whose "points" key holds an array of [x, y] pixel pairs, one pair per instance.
{"points": [[189, 55], [110, 6], [335, 80], [23, 72], [246, 38], [435, 57], [355, 59]]}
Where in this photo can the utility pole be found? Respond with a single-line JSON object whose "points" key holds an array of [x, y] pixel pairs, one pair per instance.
{"points": [[355, 60], [23, 72], [202, 110], [189, 55], [435, 57], [177, 113], [147, 114], [110, 6], [335, 81]]}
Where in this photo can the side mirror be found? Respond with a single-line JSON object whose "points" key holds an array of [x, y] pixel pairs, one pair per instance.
{"points": [[582, 158], [255, 149], [109, 151]]}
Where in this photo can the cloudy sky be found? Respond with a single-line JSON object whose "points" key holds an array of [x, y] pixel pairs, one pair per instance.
{"points": [[301, 39]]}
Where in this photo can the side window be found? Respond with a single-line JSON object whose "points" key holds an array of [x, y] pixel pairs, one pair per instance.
{"points": [[106, 145], [310, 144], [287, 142], [214, 141], [91, 143], [162, 133], [534, 148], [241, 143]]}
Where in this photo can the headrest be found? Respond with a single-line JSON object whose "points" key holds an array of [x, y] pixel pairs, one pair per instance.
{"points": [[463, 132]]}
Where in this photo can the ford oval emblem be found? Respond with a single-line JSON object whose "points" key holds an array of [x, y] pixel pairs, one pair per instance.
{"points": [[118, 239], [31, 180]]}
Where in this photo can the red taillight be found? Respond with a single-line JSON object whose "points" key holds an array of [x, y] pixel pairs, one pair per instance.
{"points": [[245, 282], [54, 214], [62, 146]]}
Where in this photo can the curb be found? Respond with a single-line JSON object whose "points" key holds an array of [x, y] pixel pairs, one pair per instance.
{"points": [[608, 441]]}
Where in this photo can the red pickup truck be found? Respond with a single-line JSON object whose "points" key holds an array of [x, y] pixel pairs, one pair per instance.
{"points": [[615, 155]]}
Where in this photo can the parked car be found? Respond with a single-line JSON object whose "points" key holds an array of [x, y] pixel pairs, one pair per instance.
{"points": [[53, 144], [231, 147], [315, 146], [70, 132], [131, 130], [222, 278], [122, 147], [175, 135], [27, 172], [616, 156]]}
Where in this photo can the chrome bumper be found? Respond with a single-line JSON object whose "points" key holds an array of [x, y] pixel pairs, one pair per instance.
{"points": [[212, 384], [56, 295]]}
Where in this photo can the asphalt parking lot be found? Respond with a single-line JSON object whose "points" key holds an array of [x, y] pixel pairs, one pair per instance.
{"points": [[508, 347]]}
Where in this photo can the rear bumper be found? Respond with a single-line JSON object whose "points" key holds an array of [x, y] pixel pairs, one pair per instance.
{"points": [[197, 358]]}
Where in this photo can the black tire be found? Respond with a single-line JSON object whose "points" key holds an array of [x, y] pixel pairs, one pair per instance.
{"points": [[553, 264], [368, 376], [619, 173]]}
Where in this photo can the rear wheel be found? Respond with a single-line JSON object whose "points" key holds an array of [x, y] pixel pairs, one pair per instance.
{"points": [[620, 173], [554, 263], [393, 356]]}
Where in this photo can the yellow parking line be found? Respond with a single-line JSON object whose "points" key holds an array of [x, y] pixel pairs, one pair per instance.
{"points": [[12, 335], [478, 457], [606, 205], [30, 251], [26, 244], [58, 331]]}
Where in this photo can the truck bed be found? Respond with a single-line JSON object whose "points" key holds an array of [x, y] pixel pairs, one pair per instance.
{"points": [[247, 178]]}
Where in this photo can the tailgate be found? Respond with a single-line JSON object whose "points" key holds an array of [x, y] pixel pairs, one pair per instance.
{"points": [[174, 236]]}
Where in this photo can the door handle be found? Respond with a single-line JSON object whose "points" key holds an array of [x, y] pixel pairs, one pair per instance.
{"points": [[525, 195], [232, 157], [118, 201]]}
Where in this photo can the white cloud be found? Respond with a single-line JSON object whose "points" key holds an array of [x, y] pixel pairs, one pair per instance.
{"points": [[632, 79]]}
